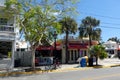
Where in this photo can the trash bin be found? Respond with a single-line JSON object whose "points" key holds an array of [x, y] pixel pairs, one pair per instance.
{"points": [[83, 62], [90, 61]]}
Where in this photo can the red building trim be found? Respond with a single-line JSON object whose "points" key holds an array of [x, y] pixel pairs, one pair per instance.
{"points": [[45, 48], [71, 45], [77, 47]]}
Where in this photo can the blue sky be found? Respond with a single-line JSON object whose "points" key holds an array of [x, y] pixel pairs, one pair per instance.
{"points": [[107, 11]]}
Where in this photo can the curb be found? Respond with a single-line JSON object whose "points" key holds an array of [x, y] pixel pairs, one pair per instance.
{"points": [[108, 66], [115, 65], [17, 73]]}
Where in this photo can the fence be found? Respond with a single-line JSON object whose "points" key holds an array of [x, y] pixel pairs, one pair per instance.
{"points": [[24, 58]]}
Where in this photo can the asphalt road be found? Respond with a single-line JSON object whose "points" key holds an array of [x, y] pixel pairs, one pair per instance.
{"points": [[92, 74]]}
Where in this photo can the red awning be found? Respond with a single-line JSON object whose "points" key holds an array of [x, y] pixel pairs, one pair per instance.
{"points": [[118, 49], [48, 48], [76, 47], [45, 48]]}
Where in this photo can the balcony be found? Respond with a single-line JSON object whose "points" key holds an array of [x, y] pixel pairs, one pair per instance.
{"points": [[6, 28]]}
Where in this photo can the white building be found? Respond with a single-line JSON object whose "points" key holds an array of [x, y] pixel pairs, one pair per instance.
{"points": [[8, 33], [21, 46], [111, 47]]}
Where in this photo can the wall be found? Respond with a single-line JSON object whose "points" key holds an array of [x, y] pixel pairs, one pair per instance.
{"points": [[25, 57]]}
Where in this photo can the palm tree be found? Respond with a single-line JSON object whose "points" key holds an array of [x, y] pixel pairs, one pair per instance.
{"points": [[96, 34], [68, 26], [81, 31], [89, 28], [99, 52]]}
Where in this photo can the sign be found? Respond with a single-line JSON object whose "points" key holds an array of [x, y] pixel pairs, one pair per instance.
{"points": [[45, 60]]}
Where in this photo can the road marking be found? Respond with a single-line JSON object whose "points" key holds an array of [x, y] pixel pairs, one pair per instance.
{"points": [[103, 76]]}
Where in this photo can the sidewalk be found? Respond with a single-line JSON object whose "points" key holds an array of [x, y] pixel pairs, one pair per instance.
{"points": [[109, 62], [106, 63]]}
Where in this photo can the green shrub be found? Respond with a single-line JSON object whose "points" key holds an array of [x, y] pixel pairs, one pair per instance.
{"points": [[103, 55]]}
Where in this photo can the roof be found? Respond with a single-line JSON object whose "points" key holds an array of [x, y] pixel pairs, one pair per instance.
{"points": [[110, 42], [71, 45]]}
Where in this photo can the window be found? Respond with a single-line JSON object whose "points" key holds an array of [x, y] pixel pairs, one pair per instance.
{"points": [[72, 55], [78, 53], [69, 55], [18, 49], [85, 54], [75, 54], [3, 21], [22, 49]]}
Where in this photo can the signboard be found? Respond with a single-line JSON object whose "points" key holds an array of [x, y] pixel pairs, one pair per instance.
{"points": [[45, 60]]}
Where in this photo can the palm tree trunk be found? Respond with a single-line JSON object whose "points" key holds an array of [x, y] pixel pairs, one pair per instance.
{"points": [[90, 44], [66, 44], [96, 60], [90, 41]]}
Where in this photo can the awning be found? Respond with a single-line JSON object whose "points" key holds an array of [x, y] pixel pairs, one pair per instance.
{"points": [[47, 48], [118, 49], [77, 47]]}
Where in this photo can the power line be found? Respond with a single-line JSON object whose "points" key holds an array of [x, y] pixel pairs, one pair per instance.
{"points": [[105, 22], [100, 15], [110, 27], [110, 23]]}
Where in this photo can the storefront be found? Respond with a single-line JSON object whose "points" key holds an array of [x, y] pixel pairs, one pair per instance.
{"points": [[45, 54], [76, 49]]}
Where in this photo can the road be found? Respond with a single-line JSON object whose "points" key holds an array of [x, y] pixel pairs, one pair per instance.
{"points": [[92, 74]]}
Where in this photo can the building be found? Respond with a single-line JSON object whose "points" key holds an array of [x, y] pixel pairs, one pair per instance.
{"points": [[8, 33], [76, 48], [21, 46], [112, 48]]}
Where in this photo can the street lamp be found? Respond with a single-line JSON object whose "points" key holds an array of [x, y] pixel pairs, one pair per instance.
{"points": [[55, 37]]}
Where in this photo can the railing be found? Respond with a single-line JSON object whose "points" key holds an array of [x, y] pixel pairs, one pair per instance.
{"points": [[6, 28], [2, 37]]}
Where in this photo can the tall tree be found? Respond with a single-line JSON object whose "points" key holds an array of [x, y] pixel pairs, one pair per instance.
{"points": [[37, 18], [69, 26], [88, 28], [97, 34], [81, 32]]}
